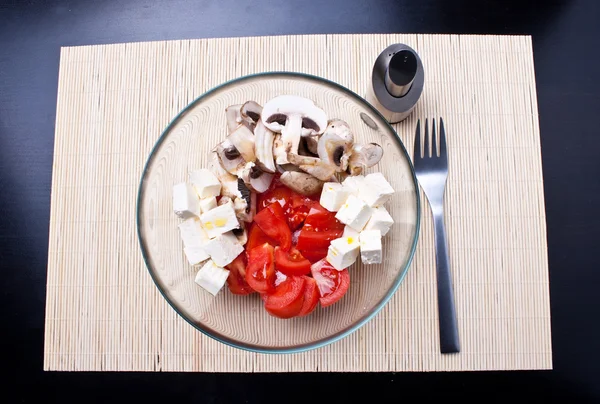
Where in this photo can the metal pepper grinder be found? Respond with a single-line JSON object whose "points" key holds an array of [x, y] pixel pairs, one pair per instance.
{"points": [[397, 82]]}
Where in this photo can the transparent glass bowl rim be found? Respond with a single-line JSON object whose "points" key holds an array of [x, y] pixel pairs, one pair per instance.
{"points": [[334, 337]]}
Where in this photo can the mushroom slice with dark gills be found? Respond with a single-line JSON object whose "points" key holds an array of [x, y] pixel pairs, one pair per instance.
{"points": [[242, 115], [264, 140], [251, 111], [333, 157], [255, 178], [243, 140], [363, 157], [293, 117], [230, 157]]}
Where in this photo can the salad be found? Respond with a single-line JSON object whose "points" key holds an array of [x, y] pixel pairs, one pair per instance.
{"points": [[285, 207]]}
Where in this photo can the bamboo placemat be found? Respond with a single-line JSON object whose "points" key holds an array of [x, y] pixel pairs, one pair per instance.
{"points": [[103, 311]]}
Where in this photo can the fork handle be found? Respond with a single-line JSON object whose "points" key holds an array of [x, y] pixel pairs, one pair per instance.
{"points": [[449, 342]]}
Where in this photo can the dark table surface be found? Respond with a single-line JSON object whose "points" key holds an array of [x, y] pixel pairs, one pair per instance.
{"points": [[566, 42]]}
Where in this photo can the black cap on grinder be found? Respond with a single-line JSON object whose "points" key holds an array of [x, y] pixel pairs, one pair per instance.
{"points": [[397, 82]]}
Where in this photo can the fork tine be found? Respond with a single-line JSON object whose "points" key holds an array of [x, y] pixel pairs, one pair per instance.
{"points": [[426, 141], [417, 148], [434, 148], [443, 152]]}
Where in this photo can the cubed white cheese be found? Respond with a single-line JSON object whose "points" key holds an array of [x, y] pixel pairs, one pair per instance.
{"points": [[333, 196], [195, 255], [375, 190], [219, 220], [354, 213], [350, 232], [224, 248], [207, 204], [370, 246], [211, 277], [205, 182], [192, 233], [185, 201], [342, 252], [352, 184], [380, 220]]}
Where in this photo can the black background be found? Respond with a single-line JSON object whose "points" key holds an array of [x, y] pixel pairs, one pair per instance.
{"points": [[566, 42]]}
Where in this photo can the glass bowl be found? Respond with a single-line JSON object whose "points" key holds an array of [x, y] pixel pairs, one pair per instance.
{"points": [[241, 321]]}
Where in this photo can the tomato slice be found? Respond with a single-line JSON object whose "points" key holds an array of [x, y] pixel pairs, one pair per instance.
{"points": [[237, 276], [271, 223], [309, 239], [260, 271], [314, 254], [291, 262], [257, 237], [311, 296], [288, 298], [296, 216], [332, 284], [320, 227], [276, 193], [321, 219]]}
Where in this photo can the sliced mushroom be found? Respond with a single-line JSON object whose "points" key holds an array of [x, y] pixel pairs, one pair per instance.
{"points": [[229, 157], [302, 183], [245, 209], [312, 144], [313, 165], [363, 157], [255, 178], [243, 140], [340, 128], [293, 117], [241, 233], [263, 144], [224, 200], [260, 181], [251, 110], [334, 150], [279, 153], [234, 117]]}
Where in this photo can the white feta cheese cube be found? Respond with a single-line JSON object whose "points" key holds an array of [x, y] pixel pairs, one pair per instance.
{"points": [[342, 252], [354, 213], [195, 255], [333, 196], [350, 232], [352, 184], [185, 201], [224, 248], [192, 233], [219, 220], [375, 190], [380, 220], [370, 247], [207, 204], [211, 277], [205, 183]]}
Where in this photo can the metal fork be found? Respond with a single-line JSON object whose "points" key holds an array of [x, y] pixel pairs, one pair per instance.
{"points": [[432, 170]]}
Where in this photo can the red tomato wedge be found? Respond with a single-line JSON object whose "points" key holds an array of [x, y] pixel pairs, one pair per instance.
{"points": [[291, 262], [296, 216], [333, 284], [314, 254], [288, 298], [311, 296], [320, 227], [260, 271], [271, 223], [276, 193], [257, 237], [237, 276]]}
